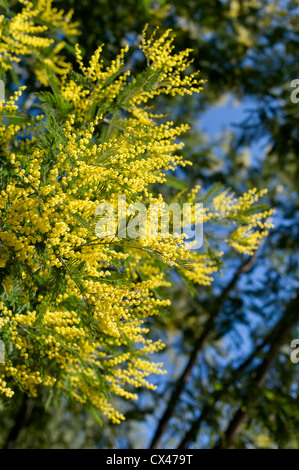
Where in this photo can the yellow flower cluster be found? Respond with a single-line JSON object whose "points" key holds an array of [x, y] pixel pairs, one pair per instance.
{"points": [[166, 74], [171, 67], [28, 34], [251, 227], [40, 230]]}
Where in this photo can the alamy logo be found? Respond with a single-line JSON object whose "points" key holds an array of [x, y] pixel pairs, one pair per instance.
{"points": [[149, 222], [295, 354], [2, 90], [2, 352], [294, 97]]}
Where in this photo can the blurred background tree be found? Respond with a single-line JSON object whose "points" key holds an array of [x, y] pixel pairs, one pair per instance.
{"points": [[230, 379]]}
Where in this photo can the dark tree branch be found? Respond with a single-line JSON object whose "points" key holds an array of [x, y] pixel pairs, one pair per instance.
{"points": [[191, 434], [260, 375], [21, 418], [181, 381]]}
